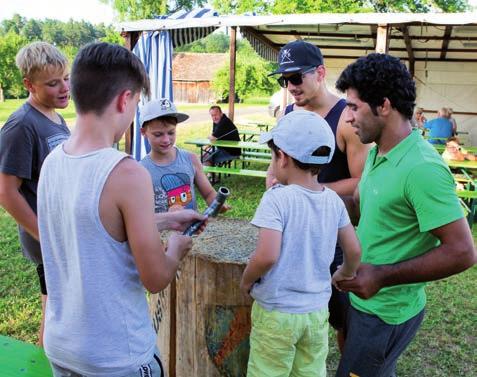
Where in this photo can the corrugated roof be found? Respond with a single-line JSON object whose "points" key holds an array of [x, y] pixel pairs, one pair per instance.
{"points": [[188, 66]]}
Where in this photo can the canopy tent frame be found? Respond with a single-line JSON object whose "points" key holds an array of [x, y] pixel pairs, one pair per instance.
{"points": [[413, 37]]}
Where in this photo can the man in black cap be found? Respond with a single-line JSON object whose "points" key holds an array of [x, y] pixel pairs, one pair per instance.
{"points": [[302, 72]]}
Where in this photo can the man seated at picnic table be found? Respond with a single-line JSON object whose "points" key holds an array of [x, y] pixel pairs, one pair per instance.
{"points": [[455, 152], [223, 129], [440, 128]]}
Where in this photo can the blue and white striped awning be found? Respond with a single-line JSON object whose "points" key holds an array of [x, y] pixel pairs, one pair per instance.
{"points": [[154, 49]]}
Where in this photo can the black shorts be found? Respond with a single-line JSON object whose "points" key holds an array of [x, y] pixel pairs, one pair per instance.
{"points": [[41, 277], [339, 301]]}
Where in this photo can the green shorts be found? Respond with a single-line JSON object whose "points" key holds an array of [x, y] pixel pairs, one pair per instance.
{"points": [[284, 344]]}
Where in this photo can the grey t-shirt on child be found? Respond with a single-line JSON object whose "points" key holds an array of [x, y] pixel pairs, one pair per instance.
{"points": [[299, 282]]}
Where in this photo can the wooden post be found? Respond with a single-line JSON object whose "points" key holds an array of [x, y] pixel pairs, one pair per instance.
{"points": [[130, 40], [233, 45], [382, 40]]}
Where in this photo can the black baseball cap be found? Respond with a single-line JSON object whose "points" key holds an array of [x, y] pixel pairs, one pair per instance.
{"points": [[298, 56]]}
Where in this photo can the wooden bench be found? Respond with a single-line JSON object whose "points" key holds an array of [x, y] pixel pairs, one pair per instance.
{"points": [[23, 359]]}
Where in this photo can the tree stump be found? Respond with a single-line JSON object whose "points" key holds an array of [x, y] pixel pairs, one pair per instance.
{"points": [[202, 319]]}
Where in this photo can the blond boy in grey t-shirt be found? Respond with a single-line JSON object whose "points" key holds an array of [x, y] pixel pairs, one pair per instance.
{"points": [[288, 275]]}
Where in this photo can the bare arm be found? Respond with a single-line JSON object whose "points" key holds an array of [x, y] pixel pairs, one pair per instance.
{"points": [[351, 252], [156, 268], [262, 260], [356, 153], [455, 254], [16, 205], [203, 185]]}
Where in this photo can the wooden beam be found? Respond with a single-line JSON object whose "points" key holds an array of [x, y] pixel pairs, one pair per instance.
{"points": [[445, 42], [410, 52], [130, 40], [382, 40], [361, 35], [262, 38], [233, 48]]}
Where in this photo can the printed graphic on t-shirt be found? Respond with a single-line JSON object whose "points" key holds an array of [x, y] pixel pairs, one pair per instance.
{"points": [[178, 190], [54, 140]]}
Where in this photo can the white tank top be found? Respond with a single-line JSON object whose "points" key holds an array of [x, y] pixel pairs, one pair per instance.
{"points": [[97, 319]]}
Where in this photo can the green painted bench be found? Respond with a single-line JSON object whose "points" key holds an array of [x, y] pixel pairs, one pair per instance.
{"points": [[20, 359], [235, 171]]}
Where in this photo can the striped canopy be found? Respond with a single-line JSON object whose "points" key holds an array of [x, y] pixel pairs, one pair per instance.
{"points": [[154, 49]]}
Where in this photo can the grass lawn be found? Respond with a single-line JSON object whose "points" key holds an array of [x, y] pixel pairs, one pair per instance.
{"points": [[445, 345]]}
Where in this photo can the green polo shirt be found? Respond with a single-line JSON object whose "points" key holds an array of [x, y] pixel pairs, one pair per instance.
{"points": [[403, 195]]}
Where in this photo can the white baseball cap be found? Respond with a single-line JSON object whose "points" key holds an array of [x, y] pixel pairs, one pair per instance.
{"points": [[160, 108], [299, 134]]}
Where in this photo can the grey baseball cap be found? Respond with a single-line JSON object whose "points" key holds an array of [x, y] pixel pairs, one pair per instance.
{"points": [[160, 108], [299, 134]]}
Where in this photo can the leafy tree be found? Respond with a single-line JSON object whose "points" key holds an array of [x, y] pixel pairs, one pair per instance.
{"points": [[11, 80], [32, 30], [337, 6], [215, 42], [251, 75], [143, 9], [15, 24]]}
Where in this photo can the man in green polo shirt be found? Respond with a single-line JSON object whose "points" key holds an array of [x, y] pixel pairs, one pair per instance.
{"points": [[412, 228]]}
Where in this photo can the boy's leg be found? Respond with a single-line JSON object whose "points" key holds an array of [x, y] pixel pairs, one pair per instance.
{"points": [[272, 343], [373, 346], [41, 277], [312, 348]]}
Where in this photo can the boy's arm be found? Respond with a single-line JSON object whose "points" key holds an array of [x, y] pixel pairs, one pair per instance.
{"points": [[156, 267], [16, 205], [351, 254], [264, 257], [203, 185]]}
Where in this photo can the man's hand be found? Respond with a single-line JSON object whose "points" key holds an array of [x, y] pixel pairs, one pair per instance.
{"points": [[366, 283], [225, 208], [179, 220], [211, 138], [340, 276]]}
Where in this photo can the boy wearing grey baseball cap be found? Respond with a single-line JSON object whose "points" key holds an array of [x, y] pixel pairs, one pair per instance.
{"points": [[174, 171], [288, 275]]}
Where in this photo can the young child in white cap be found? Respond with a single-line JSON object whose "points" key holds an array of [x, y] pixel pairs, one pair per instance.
{"points": [[288, 275], [174, 171]]}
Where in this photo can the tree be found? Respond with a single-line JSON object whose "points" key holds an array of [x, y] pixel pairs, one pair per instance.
{"points": [[251, 75], [337, 6], [144, 9], [215, 42], [11, 80]]}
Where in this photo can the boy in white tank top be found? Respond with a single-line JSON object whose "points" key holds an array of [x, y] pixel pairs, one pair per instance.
{"points": [[98, 229]]}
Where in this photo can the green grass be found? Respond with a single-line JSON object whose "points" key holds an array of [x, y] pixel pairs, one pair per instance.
{"points": [[10, 105], [445, 345]]}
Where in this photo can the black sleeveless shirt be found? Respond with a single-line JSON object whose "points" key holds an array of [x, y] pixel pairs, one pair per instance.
{"points": [[337, 168]]}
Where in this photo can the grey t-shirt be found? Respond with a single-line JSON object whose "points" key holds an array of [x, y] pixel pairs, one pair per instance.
{"points": [[173, 183], [26, 139], [299, 282]]}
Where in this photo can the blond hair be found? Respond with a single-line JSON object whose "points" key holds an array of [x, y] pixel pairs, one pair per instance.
{"points": [[39, 56], [444, 112]]}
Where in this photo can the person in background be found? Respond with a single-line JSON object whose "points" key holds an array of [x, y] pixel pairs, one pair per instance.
{"points": [[440, 128], [455, 152], [223, 129], [288, 275], [410, 234], [98, 231], [452, 120], [303, 73], [419, 120], [27, 137]]}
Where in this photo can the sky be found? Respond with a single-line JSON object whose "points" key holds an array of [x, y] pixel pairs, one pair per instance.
{"points": [[89, 10]]}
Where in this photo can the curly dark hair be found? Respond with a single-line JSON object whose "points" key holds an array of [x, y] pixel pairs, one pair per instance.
{"points": [[379, 76]]}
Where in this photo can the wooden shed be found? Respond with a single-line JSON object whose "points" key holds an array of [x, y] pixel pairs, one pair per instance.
{"points": [[192, 75]]}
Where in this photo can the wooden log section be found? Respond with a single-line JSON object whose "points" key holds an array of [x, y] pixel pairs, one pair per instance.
{"points": [[212, 318]]}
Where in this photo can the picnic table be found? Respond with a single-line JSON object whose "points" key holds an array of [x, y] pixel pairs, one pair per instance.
{"points": [[467, 165], [248, 135], [251, 152]]}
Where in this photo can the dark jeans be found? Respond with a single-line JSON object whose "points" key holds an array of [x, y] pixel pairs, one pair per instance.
{"points": [[339, 301], [372, 346]]}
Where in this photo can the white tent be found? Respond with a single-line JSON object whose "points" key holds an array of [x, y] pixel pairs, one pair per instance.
{"points": [[439, 48]]}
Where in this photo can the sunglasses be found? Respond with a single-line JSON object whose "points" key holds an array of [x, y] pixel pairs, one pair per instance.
{"points": [[295, 79]]}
